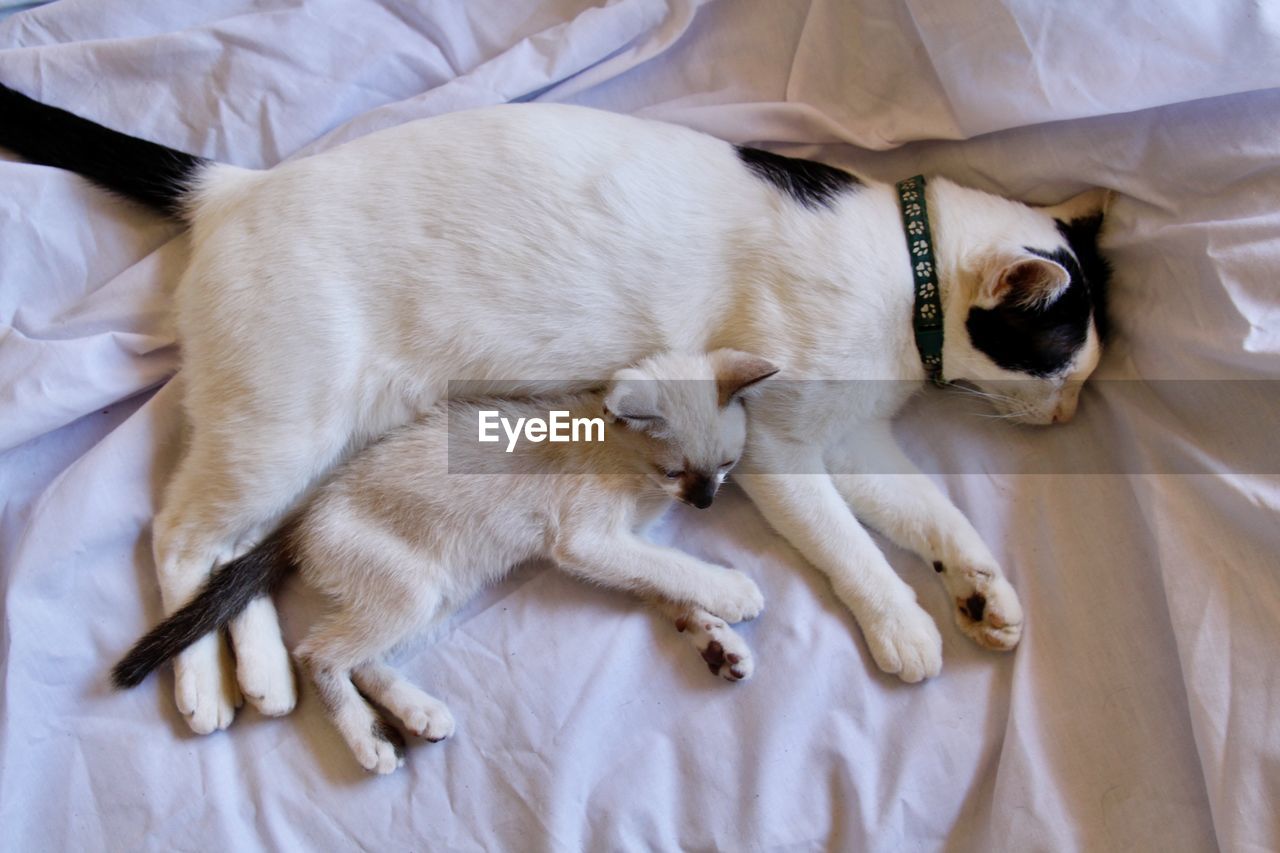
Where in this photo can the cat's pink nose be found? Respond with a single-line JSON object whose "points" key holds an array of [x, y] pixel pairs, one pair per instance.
{"points": [[1067, 403]]}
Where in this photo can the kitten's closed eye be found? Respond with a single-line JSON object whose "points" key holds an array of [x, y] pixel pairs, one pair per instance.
{"points": [[672, 475]]}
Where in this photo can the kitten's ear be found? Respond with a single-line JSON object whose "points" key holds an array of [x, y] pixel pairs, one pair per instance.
{"points": [[1027, 280], [737, 373], [1086, 205], [632, 399]]}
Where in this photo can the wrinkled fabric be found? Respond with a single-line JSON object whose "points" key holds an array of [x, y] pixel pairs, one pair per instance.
{"points": [[1138, 712]]}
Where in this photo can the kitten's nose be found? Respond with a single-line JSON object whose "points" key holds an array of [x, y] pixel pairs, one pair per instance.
{"points": [[700, 491]]}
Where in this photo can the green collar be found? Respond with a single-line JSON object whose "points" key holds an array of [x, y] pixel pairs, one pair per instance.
{"points": [[926, 316]]}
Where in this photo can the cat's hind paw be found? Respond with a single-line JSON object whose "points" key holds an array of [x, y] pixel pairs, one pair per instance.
{"points": [[205, 689], [722, 648], [263, 668]]}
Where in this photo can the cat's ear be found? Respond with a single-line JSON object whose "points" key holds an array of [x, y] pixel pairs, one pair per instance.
{"points": [[1086, 205], [1027, 280], [738, 373], [632, 398]]}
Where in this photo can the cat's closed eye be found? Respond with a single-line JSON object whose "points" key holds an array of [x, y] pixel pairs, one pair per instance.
{"points": [[672, 475]]}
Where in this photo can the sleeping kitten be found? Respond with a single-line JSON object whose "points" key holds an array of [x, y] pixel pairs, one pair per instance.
{"points": [[411, 528], [333, 297]]}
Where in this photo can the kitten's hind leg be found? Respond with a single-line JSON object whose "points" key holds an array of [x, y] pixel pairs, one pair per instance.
{"points": [[377, 746], [722, 648], [369, 622], [422, 714]]}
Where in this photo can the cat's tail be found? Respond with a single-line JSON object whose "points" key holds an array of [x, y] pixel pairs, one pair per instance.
{"points": [[157, 176], [224, 595]]}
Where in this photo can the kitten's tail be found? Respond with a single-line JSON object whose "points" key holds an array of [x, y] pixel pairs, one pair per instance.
{"points": [[224, 595], [157, 176]]}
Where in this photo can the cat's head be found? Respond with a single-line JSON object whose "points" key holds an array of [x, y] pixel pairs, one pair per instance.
{"points": [[1024, 314], [689, 411]]}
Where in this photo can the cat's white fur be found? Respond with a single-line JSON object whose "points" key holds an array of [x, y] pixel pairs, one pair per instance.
{"points": [[412, 527], [332, 298]]}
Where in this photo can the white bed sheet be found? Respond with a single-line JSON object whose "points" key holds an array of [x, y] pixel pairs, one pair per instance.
{"points": [[1139, 711]]}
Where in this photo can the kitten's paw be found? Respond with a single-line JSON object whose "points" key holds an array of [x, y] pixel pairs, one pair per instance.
{"points": [[987, 609], [725, 652], [732, 596], [427, 718], [205, 688], [422, 714], [379, 751], [905, 643]]}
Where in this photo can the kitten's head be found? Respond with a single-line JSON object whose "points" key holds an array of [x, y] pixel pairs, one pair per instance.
{"points": [[1024, 319], [689, 411]]}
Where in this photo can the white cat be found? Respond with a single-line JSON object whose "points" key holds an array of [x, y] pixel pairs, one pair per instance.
{"points": [[412, 527], [331, 298]]}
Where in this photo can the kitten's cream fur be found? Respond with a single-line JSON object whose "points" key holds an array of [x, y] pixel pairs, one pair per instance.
{"points": [[413, 526]]}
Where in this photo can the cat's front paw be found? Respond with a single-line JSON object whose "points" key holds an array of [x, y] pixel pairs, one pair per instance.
{"points": [[731, 595], [905, 642], [722, 648], [986, 607]]}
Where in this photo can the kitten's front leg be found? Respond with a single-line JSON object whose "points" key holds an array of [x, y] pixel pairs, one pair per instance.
{"points": [[625, 561], [806, 509], [909, 509]]}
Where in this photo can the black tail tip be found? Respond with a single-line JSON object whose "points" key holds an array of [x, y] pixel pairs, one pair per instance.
{"points": [[130, 672]]}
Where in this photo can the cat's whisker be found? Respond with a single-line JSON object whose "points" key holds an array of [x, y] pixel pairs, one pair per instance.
{"points": [[991, 396]]}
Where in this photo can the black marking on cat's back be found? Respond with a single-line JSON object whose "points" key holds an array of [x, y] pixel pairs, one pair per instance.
{"points": [[808, 182]]}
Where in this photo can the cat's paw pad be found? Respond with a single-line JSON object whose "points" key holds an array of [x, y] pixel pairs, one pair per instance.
{"points": [[266, 676], [732, 596], [205, 689], [381, 751], [905, 643], [724, 651], [429, 720], [987, 609]]}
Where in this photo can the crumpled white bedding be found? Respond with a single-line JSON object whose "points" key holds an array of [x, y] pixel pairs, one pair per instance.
{"points": [[1139, 711]]}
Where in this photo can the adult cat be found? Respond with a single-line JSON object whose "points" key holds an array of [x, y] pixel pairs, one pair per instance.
{"points": [[332, 298]]}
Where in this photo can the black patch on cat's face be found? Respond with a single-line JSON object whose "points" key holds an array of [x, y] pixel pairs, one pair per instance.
{"points": [[1039, 340], [1082, 236], [812, 184]]}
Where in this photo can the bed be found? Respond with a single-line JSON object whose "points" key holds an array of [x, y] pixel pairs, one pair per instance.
{"points": [[1139, 711]]}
